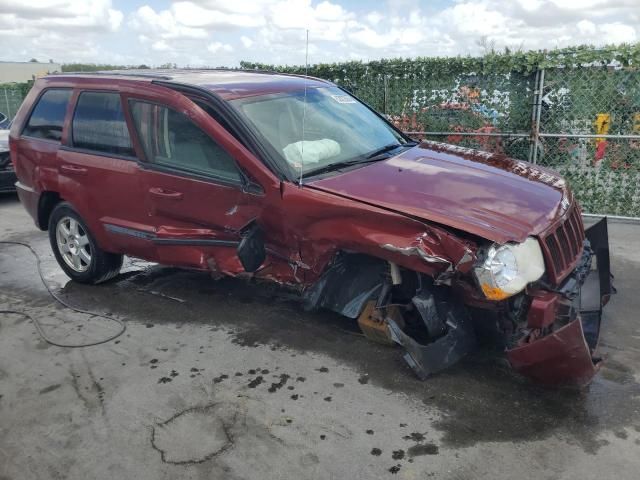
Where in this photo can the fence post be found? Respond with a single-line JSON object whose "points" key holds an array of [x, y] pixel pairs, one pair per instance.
{"points": [[385, 94], [536, 126], [534, 106], [6, 99]]}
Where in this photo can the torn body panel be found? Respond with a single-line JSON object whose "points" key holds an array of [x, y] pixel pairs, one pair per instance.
{"points": [[347, 285], [559, 358], [553, 353], [327, 224], [450, 329]]}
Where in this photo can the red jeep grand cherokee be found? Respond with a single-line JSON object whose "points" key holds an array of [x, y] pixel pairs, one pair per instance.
{"points": [[294, 180]]}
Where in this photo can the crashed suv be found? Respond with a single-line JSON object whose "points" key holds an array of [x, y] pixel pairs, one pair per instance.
{"points": [[291, 179]]}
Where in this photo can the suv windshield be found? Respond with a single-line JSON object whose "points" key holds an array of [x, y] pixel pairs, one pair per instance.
{"points": [[338, 129]]}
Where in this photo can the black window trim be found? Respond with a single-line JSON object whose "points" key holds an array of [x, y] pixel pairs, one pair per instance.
{"points": [[33, 107], [70, 147], [184, 172]]}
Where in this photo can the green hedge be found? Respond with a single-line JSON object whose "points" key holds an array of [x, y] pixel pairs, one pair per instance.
{"points": [[491, 63]]}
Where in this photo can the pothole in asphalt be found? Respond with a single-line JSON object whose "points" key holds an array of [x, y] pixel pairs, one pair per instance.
{"points": [[192, 436]]}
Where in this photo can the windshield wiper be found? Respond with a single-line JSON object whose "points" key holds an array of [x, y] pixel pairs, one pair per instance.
{"points": [[338, 165], [385, 149], [370, 158], [388, 148]]}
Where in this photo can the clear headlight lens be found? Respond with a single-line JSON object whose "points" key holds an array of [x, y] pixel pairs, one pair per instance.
{"points": [[507, 269]]}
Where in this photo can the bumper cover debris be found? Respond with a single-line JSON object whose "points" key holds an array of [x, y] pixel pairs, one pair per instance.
{"points": [[446, 350], [566, 356]]}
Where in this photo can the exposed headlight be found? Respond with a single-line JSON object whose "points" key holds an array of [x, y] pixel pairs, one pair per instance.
{"points": [[507, 269]]}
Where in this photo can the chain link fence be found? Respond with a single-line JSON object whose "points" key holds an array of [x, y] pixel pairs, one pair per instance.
{"points": [[583, 122], [10, 100], [579, 117], [589, 130]]}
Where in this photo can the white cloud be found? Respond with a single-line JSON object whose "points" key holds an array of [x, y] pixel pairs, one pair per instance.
{"points": [[473, 18], [73, 14], [246, 41], [586, 27], [619, 33], [162, 24], [192, 15], [160, 46], [217, 47], [201, 32], [70, 29], [374, 18]]}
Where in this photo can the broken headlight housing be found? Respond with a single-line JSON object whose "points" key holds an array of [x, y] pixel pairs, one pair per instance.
{"points": [[507, 269]]}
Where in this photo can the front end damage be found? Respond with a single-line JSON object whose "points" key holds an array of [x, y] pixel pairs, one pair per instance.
{"points": [[563, 324], [550, 333]]}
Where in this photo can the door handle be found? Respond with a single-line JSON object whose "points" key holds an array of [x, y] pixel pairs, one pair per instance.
{"points": [[73, 170], [166, 194]]}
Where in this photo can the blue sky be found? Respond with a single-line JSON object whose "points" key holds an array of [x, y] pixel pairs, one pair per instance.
{"points": [[223, 32]]}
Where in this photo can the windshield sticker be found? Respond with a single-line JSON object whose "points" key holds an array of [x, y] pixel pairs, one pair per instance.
{"points": [[343, 99]]}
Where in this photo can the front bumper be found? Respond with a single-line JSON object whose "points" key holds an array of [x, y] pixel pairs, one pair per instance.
{"points": [[564, 324]]}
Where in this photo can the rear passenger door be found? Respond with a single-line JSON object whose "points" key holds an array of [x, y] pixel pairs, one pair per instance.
{"points": [[99, 173], [193, 186]]}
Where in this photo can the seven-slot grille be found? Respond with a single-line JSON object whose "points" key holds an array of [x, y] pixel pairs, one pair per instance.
{"points": [[562, 247]]}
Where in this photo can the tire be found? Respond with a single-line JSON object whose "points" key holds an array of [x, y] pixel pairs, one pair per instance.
{"points": [[76, 250]]}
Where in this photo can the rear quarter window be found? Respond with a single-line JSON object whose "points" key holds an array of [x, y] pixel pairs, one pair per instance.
{"points": [[99, 124], [47, 118]]}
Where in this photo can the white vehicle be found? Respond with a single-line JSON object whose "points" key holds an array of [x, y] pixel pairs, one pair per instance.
{"points": [[7, 175]]}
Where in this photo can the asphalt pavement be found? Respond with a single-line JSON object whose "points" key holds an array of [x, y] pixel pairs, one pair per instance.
{"points": [[232, 379]]}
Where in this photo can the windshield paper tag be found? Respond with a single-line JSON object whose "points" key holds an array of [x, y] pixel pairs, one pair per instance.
{"points": [[343, 99]]}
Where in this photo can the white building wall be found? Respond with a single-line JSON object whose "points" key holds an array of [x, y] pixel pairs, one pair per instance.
{"points": [[24, 71]]}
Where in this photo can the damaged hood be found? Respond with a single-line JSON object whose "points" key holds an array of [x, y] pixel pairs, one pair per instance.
{"points": [[488, 195]]}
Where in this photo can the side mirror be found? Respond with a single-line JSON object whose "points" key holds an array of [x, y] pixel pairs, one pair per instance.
{"points": [[251, 251]]}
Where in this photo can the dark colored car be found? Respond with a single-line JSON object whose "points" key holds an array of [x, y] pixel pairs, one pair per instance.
{"points": [[291, 179], [7, 175]]}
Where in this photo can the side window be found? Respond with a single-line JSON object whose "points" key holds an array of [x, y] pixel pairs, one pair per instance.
{"points": [[169, 138], [99, 124], [47, 118]]}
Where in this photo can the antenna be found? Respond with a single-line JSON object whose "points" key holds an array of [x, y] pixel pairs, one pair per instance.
{"points": [[304, 104]]}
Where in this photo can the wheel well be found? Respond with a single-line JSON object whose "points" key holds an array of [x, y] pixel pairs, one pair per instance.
{"points": [[48, 201]]}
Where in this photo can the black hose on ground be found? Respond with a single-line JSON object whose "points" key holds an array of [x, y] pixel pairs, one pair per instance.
{"points": [[37, 324]]}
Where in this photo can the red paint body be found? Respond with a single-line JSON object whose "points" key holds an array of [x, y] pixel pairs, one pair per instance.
{"points": [[441, 200], [560, 358]]}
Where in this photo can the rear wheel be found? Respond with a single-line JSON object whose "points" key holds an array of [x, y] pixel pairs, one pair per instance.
{"points": [[76, 250]]}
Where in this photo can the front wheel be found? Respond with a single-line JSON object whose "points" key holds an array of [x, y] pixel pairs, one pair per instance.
{"points": [[76, 250]]}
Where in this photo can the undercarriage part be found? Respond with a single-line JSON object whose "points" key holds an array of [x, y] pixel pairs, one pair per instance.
{"points": [[457, 337], [426, 305], [372, 322], [396, 276], [347, 285]]}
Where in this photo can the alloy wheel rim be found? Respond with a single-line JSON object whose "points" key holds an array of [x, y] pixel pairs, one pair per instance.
{"points": [[73, 244]]}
